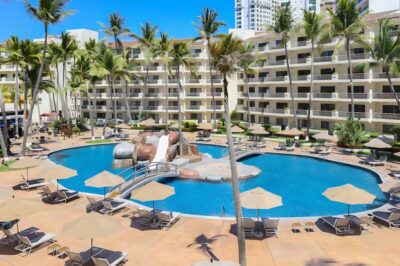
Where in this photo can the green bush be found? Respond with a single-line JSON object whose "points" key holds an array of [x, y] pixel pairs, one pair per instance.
{"points": [[350, 133], [374, 135], [76, 130]]}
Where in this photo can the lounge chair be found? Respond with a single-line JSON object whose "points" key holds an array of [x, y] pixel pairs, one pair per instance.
{"points": [[370, 158], [270, 226], [65, 195], [28, 184], [281, 147], [381, 161], [316, 150], [395, 173], [167, 219], [111, 206], [145, 217], [84, 257], [249, 226], [35, 239], [326, 152], [391, 218], [11, 239], [93, 204], [109, 258], [290, 147], [341, 225]]}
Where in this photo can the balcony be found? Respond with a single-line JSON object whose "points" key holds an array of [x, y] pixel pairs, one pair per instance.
{"points": [[324, 113], [152, 94], [194, 107], [303, 43], [152, 107], [388, 96], [193, 94], [153, 81], [386, 116]]}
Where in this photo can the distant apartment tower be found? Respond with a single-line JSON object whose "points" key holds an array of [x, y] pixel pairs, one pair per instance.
{"points": [[255, 14], [373, 6], [299, 5]]}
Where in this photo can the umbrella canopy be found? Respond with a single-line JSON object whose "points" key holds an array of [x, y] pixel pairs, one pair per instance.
{"points": [[215, 263], [148, 123], [205, 126], [391, 186], [291, 132], [325, 136], [255, 126], [123, 126], [259, 131], [377, 144], [349, 194], [58, 172], [152, 191], [397, 154], [237, 129], [6, 193], [92, 225], [104, 179], [259, 198], [25, 163], [17, 208]]}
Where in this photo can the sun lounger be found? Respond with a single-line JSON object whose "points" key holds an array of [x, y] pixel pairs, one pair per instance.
{"points": [[381, 161], [325, 152], [167, 219], [370, 158], [290, 147], [109, 258], [145, 217], [316, 150], [11, 239], [65, 195], [281, 147], [341, 225], [35, 239], [93, 204], [83, 257], [28, 184], [395, 173], [111, 206], [391, 218], [249, 226], [270, 226]]}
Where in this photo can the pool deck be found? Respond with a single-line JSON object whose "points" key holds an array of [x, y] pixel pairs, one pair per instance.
{"points": [[193, 239]]}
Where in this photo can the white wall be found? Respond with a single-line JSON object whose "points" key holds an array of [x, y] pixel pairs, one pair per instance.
{"points": [[383, 5]]}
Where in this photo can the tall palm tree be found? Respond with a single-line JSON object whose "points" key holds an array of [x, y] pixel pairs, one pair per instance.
{"points": [[109, 66], [54, 57], [116, 29], [3, 138], [13, 49], [146, 41], [284, 22], [132, 67], [226, 55], [385, 51], [162, 48], [314, 30], [180, 56], [247, 64], [48, 12], [345, 23], [208, 28]]}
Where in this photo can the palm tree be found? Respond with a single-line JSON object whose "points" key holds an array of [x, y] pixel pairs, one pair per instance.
{"points": [[109, 66], [180, 56], [385, 52], [3, 138], [314, 30], [284, 22], [116, 29], [132, 67], [161, 49], [208, 27], [54, 57], [48, 12], [146, 42], [247, 63], [345, 23], [13, 49], [226, 55]]}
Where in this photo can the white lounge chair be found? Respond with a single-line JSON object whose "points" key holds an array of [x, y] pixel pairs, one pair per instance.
{"points": [[35, 239], [167, 219], [281, 146], [11, 239], [109, 258], [249, 226], [84, 257], [326, 152], [290, 147], [381, 161], [111, 206], [65, 195], [391, 218], [370, 158], [144, 217], [341, 225], [270, 226], [28, 184]]}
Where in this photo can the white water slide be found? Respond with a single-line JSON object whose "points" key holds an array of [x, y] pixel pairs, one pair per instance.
{"points": [[162, 148]]}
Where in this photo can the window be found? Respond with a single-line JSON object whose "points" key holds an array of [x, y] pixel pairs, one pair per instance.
{"points": [[387, 129], [357, 89], [325, 125], [281, 105], [303, 89], [327, 107], [390, 109], [281, 89], [302, 106], [358, 108], [387, 89], [327, 89]]}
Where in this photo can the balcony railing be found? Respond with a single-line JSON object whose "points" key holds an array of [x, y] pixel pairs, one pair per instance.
{"points": [[387, 116]]}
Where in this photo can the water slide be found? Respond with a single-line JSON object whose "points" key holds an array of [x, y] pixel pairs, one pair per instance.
{"points": [[162, 148]]}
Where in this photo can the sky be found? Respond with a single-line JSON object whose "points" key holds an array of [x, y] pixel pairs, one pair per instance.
{"points": [[175, 17]]}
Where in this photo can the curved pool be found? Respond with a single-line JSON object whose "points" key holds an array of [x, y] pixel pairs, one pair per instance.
{"points": [[299, 180]]}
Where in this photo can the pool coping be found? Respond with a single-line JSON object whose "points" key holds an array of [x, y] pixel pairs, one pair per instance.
{"points": [[380, 175]]}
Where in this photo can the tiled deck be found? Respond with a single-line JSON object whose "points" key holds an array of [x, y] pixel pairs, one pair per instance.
{"points": [[191, 239]]}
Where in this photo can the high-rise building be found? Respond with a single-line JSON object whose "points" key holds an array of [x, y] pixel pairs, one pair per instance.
{"points": [[373, 6], [255, 14], [299, 5]]}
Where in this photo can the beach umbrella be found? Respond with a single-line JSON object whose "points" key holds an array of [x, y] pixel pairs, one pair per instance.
{"points": [[103, 180], [152, 191], [255, 126], [148, 123], [397, 154], [6, 193], [58, 172], [123, 126], [17, 208], [326, 136], [237, 129], [377, 144], [349, 194], [259, 198], [291, 132], [392, 186], [259, 131], [215, 263], [25, 163], [205, 126], [91, 226]]}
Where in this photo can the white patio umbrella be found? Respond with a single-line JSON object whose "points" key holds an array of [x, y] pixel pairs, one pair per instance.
{"points": [[259, 198], [148, 123], [58, 172], [25, 163], [237, 129], [326, 136], [291, 132], [205, 126], [17, 208], [377, 144], [391, 186], [153, 191], [103, 180], [6, 193]]}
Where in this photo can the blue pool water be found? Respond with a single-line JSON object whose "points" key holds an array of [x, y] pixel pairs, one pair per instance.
{"points": [[300, 181]]}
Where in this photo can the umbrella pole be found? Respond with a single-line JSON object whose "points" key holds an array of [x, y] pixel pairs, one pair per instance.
{"points": [[27, 176], [348, 210], [91, 246], [57, 184], [258, 217]]}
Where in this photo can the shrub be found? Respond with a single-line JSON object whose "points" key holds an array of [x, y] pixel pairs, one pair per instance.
{"points": [[76, 130], [350, 133]]}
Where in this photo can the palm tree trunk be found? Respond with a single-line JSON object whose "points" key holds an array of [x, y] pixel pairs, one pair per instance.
{"points": [[26, 89], [311, 90], [396, 97], [115, 103], [178, 76], [235, 179], [350, 77], [166, 95], [110, 98], [212, 84], [35, 92], [291, 88], [65, 94], [128, 110], [16, 100], [246, 80], [144, 89], [4, 133], [90, 110]]}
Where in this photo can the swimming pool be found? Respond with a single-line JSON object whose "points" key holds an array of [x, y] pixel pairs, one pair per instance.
{"points": [[299, 180]]}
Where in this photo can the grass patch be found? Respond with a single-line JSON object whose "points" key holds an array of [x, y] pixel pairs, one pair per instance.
{"points": [[4, 167], [99, 141]]}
